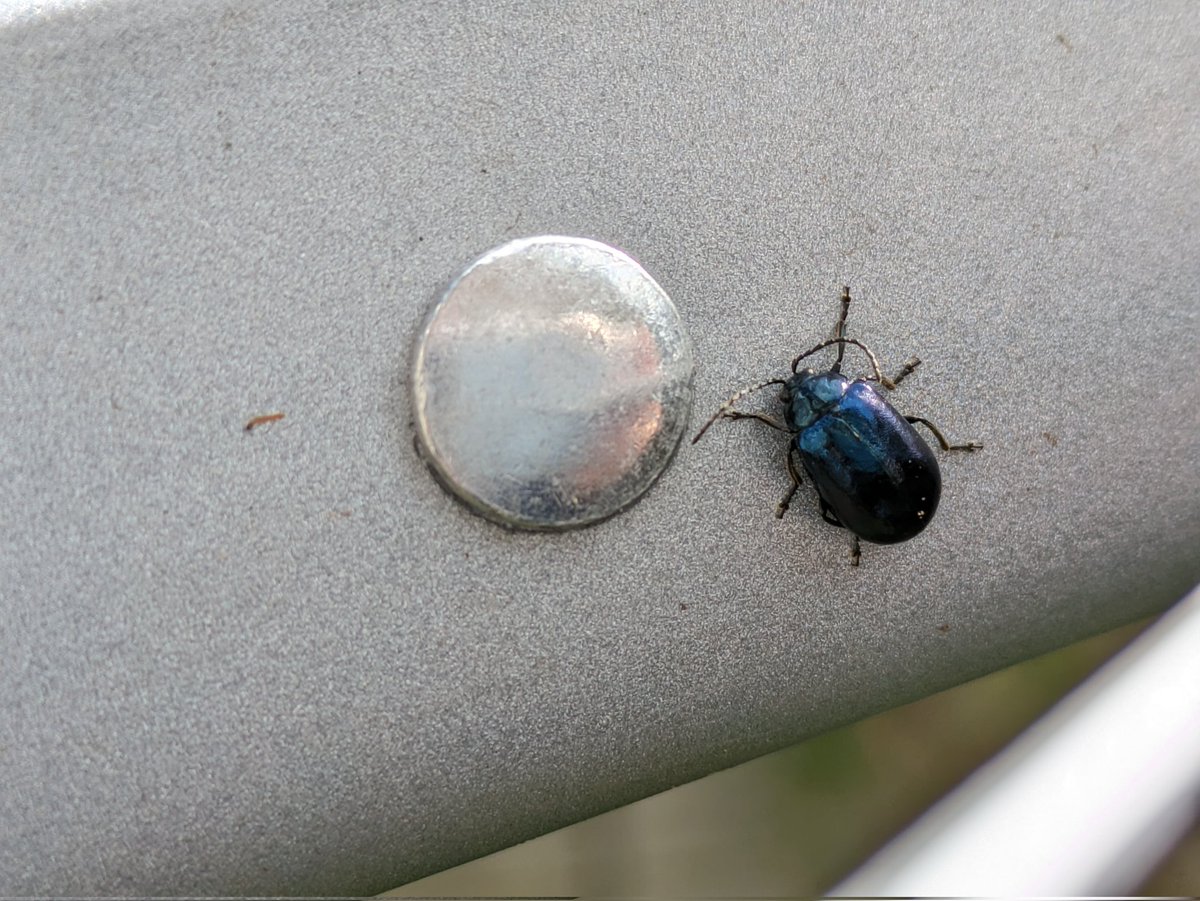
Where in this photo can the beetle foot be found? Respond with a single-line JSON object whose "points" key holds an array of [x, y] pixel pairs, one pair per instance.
{"points": [[855, 552]]}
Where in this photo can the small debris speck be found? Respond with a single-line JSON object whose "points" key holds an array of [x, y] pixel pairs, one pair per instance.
{"points": [[263, 420]]}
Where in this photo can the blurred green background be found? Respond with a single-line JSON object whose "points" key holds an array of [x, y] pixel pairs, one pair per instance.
{"points": [[794, 822]]}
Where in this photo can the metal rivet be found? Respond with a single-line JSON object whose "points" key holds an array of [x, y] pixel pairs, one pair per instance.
{"points": [[552, 382]]}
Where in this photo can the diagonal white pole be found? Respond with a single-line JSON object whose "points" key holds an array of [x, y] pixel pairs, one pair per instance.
{"points": [[1085, 802]]}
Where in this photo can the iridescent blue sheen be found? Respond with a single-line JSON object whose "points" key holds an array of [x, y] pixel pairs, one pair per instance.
{"points": [[872, 470]]}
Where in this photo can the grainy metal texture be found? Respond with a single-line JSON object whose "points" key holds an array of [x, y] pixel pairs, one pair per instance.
{"points": [[552, 383], [285, 661]]}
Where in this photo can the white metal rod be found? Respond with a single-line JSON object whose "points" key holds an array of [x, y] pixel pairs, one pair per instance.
{"points": [[1085, 802]]}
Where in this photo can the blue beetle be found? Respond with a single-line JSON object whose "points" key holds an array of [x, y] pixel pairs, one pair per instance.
{"points": [[874, 475]]}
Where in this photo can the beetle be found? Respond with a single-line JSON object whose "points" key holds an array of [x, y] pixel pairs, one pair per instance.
{"points": [[874, 474]]}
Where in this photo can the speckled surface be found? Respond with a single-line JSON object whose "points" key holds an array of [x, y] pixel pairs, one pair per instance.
{"points": [[284, 661]]}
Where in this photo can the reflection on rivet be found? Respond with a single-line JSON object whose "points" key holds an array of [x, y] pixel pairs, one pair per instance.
{"points": [[551, 383]]}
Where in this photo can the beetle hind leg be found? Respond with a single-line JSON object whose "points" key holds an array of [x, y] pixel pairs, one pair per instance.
{"points": [[828, 515], [937, 433]]}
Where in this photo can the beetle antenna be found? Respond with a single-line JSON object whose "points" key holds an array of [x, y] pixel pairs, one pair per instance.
{"points": [[729, 403], [886, 382]]}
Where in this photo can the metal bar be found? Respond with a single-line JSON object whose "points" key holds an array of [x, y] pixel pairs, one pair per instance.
{"points": [[1085, 802]]}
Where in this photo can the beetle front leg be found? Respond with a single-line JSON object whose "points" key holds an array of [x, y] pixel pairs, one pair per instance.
{"points": [[765, 420], [839, 328], [910, 366], [946, 445], [855, 552]]}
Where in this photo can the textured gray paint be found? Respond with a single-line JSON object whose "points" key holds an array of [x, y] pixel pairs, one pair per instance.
{"points": [[286, 661]]}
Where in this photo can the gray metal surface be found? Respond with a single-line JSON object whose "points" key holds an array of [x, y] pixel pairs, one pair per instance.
{"points": [[286, 661]]}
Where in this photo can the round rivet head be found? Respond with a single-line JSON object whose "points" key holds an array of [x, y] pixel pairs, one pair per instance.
{"points": [[551, 383]]}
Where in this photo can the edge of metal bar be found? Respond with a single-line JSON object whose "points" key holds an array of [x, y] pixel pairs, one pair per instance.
{"points": [[1084, 802]]}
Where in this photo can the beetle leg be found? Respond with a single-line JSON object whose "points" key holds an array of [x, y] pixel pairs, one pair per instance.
{"points": [[724, 408], [839, 328], [910, 366], [946, 445], [796, 483], [765, 420], [828, 515]]}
